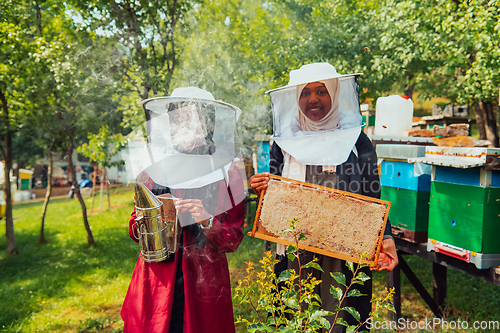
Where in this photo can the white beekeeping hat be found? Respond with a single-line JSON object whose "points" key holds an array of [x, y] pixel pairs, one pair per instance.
{"points": [[313, 142]]}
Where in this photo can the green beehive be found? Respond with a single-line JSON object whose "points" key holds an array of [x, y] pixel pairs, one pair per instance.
{"points": [[409, 209], [465, 216], [407, 187], [25, 184]]}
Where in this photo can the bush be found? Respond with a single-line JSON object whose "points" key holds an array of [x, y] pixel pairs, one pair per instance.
{"points": [[287, 303]]}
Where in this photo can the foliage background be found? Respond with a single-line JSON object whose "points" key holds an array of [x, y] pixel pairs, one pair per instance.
{"points": [[91, 62]]}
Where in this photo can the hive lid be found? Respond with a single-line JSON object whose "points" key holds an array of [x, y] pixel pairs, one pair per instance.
{"points": [[459, 157], [401, 139], [400, 151]]}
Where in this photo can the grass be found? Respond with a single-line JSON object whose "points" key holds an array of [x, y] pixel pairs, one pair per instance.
{"points": [[68, 286]]}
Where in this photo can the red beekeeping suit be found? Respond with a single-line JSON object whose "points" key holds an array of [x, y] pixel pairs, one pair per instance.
{"points": [[207, 290]]}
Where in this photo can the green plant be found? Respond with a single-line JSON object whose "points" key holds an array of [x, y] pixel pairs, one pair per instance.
{"points": [[293, 306]]}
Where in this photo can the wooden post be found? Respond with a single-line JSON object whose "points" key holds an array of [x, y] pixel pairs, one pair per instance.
{"points": [[107, 186], [102, 190], [93, 190], [439, 275], [420, 288], [394, 281]]}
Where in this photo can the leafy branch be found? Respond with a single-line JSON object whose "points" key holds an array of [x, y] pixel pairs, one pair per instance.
{"points": [[290, 303]]}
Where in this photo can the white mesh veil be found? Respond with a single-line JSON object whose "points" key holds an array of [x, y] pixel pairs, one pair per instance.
{"points": [[189, 147], [189, 142], [330, 147]]}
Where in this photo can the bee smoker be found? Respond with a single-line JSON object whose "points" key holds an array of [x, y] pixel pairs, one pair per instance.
{"points": [[157, 224]]}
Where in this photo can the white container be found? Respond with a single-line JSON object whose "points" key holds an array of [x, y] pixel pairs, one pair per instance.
{"points": [[18, 196], [26, 195], [393, 116]]}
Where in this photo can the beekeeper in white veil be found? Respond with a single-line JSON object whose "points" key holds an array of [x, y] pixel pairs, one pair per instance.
{"points": [[190, 139], [189, 153], [318, 139]]}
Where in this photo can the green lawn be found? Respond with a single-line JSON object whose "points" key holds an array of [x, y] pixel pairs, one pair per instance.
{"points": [[67, 286]]}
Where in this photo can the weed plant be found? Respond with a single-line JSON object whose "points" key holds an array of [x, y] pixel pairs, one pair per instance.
{"points": [[287, 303]]}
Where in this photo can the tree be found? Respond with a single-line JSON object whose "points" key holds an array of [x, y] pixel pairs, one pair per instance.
{"points": [[145, 35], [27, 149], [214, 45], [103, 149], [73, 97], [16, 44], [455, 47], [445, 48], [41, 126], [78, 101]]}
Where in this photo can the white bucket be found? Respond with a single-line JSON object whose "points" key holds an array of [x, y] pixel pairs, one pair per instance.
{"points": [[18, 196], [393, 116], [26, 195]]}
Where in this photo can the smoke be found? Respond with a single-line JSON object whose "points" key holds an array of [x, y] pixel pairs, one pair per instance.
{"points": [[210, 63]]}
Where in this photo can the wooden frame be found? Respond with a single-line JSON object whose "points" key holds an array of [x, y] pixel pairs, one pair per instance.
{"points": [[373, 261]]}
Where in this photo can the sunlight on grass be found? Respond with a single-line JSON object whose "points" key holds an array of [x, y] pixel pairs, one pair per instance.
{"points": [[59, 286], [67, 286]]}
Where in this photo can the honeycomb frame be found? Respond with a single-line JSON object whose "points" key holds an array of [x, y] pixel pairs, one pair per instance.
{"points": [[327, 238]]}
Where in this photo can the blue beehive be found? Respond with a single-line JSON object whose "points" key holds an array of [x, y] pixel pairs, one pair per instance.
{"points": [[465, 203], [403, 175], [406, 185], [263, 156], [263, 152]]}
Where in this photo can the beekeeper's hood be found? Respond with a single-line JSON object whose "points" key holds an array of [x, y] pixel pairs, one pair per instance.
{"points": [[190, 136], [325, 141]]}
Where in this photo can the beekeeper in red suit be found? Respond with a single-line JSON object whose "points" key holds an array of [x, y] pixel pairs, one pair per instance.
{"points": [[190, 154]]}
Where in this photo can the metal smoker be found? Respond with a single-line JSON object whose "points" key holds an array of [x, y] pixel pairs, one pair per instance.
{"points": [[157, 224]]}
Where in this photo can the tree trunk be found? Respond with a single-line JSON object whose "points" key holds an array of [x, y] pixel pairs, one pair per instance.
{"points": [[409, 90], [15, 174], [38, 18], [490, 122], [7, 155], [9, 219], [42, 239], [69, 151], [78, 194], [480, 122]]}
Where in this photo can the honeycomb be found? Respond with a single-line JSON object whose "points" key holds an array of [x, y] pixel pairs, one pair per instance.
{"points": [[332, 220]]}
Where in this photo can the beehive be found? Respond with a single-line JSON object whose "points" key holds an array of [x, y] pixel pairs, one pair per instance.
{"points": [[401, 174], [409, 209], [465, 216], [407, 186], [465, 203], [336, 223]]}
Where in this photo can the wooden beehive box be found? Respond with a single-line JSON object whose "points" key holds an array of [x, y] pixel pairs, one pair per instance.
{"points": [[338, 224]]}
